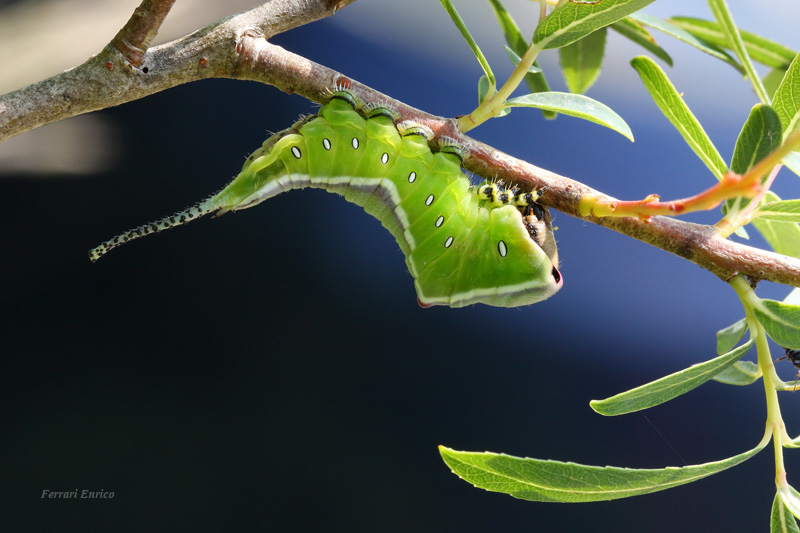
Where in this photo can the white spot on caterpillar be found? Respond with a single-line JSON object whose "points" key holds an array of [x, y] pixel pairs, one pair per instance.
{"points": [[412, 177], [296, 152], [502, 248], [385, 158], [439, 221], [448, 242], [429, 200], [326, 143], [354, 142]]}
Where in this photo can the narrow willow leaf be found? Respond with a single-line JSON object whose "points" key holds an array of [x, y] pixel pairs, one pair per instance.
{"points": [[783, 237], [760, 135], [669, 387], [784, 210], [685, 36], [535, 81], [575, 105], [484, 86], [791, 499], [725, 19], [786, 101], [772, 81], [763, 50], [781, 518], [728, 338], [459, 22], [739, 373], [678, 113], [636, 33], [781, 321], [570, 21], [554, 481], [514, 57], [581, 61]]}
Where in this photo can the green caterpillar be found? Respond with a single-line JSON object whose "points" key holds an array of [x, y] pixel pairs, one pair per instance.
{"points": [[463, 244]]}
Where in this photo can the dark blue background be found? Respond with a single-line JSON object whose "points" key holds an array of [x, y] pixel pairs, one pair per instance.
{"points": [[271, 370]]}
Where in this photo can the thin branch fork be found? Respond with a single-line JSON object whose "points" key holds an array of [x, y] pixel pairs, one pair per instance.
{"points": [[237, 48]]}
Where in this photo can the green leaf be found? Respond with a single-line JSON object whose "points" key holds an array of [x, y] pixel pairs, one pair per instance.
{"points": [[739, 373], [581, 61], [728, 338], [760, 135], [675, 109], [783, 210], [781, 321], [763, 50], [783, 237], [459, 22], [536, 82], [636, 33], [554, 481], [786, 101], [790, 498], [725, 19], [575, 105], [781, 519], [669, 387], [688, 38], [485, 90], [772, 81], [570, 22]]}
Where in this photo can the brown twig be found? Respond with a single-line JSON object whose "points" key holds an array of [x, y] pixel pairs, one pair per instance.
{"points": [[134, 38], [237, 47]]}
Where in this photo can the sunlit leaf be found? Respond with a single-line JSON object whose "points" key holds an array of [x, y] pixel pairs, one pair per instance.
{"points": [[554, 481], [638, 34], [725, 20], [570, 21], [781, 321], [760, 135], [783, 237], [581, 61], [781, 518], [459, 22], [669, 387], [675, 109], [783, 210], [688, 38], [739, 373], [575, 105], [763, 50], [787, 98], [728, 338]]}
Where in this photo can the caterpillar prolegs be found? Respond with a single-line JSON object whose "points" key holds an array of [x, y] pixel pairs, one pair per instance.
{"points": [[463, 244]]}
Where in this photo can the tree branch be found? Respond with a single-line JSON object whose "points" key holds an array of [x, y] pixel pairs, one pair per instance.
{"points": [[237, 48], [134, 38]]}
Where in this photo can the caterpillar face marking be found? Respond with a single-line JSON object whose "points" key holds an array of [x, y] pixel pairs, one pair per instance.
{"points": [[463, 244]]}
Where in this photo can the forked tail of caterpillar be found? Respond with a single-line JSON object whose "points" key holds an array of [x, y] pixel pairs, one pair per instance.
{"points": [[178, 219]]}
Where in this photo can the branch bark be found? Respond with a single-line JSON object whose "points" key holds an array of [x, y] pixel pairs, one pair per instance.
{"points": [[237, 47]]}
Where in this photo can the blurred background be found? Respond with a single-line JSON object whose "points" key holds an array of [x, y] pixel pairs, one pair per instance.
{"points": [[271, 370]]}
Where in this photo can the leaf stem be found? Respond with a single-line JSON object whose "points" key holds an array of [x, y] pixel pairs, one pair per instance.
{"points": [[772, 383], [494, 104]]}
